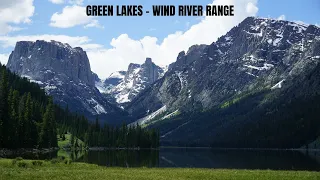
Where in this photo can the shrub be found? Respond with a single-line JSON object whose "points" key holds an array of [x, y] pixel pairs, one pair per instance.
{"points": [[67, 161], [19, 158], [22, 164], [14, 161], [37, 163], [55, 161]]}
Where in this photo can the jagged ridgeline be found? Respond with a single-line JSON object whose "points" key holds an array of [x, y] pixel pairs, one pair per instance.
{"points": [[30, 119], [256, 86]]}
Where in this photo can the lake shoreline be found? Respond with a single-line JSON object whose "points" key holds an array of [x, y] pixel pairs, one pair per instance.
{"points": [[9, 152], [5, 152]]}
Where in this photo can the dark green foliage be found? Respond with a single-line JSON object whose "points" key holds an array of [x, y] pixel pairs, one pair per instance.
{"points": [[55, 161], [22, 164], [122, 137], [17, 159], [21, 112], [48, 134], [37, 163], [67, 161]]}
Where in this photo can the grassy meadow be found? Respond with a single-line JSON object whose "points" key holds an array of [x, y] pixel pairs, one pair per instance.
{"points": [[65, 169]]}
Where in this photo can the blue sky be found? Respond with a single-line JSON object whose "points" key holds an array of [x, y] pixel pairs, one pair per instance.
{"points": [[113, 42]]}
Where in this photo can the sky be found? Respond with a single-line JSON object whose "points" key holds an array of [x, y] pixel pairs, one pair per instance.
{"points": [[112, 42]]}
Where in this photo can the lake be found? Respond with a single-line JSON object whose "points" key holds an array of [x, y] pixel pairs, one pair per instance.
{"points": [[196, 158]]}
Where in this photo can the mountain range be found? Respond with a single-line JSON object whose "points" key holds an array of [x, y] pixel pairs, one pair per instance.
{"points": [[256, 86]]}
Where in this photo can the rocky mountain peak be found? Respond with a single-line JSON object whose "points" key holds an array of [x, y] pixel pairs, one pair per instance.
{"points": [[64, 72], [41, 57], [148, 61], [126, 86]]}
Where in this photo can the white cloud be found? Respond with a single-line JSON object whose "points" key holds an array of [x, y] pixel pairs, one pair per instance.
{"points": [[57, 1], [82, 41], [16, 12], [282, 17], [77, 2], [126, 50], [4, 58], [94, 23], [72, 16]]}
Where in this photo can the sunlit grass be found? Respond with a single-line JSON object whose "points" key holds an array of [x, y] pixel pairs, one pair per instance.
{"points": [[64, 170]]}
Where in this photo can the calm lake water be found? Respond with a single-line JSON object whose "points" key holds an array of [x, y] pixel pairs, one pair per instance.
{"points": [[197, 158]]}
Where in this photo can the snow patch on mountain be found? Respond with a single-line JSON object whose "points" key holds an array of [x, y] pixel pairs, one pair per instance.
{"points": [[265, 66], [117, 75], [278, 85], [125, 85], [97, 107], [149, 117]]}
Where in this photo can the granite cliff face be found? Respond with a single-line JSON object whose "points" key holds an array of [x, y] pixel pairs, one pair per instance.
{"points": [[123, 86], [258, 53], [64, 72]]}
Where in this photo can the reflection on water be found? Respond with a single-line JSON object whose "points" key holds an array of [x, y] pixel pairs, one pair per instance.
{"points": [[31, 155], [238, 159], [192, 158], [205, 158], [122, 158]]}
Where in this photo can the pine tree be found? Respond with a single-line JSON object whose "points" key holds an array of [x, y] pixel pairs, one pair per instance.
{"points": [[72, 139], [48, 136], [4, 108], [14, 128], [21, 122], [97, 125], [28, 122]]}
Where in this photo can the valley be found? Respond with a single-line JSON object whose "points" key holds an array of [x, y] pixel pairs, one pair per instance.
{"points": [[237, 92], [253, 93]]}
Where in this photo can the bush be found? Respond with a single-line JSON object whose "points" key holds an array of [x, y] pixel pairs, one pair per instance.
{"points": [[14, 161], [37, 163], [55, 161], [19, 158], [22, 164], [67, 161]]}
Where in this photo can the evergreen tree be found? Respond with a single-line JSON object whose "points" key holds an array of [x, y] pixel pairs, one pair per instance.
{"points": [[21, 122], [14, 128], [27, 122], [97, 125], [48, 134], [72, 140], [4, 108]]}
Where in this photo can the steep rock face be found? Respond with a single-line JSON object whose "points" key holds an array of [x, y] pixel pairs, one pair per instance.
{"points": [[258, 53], [115, 78], [64, 72], [125, 85]]}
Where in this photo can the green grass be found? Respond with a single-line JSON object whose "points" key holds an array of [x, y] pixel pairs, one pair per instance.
{"points": [[61, 171], [66, 142]]}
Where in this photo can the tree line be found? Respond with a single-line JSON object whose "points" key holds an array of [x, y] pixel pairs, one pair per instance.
{"points": [[30, 119], [126, 137]]}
